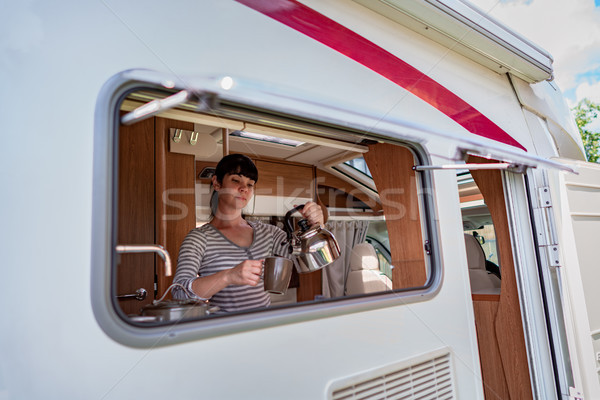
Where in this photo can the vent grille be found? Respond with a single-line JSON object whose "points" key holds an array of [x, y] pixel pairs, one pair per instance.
{"points": [[423, 380]]}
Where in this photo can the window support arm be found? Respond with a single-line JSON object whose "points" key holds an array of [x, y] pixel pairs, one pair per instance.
{"points": [[204, 102], [518, 168]]}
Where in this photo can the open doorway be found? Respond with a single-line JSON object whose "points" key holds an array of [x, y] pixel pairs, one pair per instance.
{"points": [[498, 318]]}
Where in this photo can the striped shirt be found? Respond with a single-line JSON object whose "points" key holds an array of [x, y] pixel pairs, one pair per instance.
{"points": [[206, 251]]}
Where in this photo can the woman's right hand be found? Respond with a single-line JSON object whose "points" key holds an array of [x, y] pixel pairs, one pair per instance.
{"points": [[245, 273]]}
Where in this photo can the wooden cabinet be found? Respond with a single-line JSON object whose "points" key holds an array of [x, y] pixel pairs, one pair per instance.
{"points": [[275, 178], [174, 196], [155, 205], [135, 208], [284, 179]]}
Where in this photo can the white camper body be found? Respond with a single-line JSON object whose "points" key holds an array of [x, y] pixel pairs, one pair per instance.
{"points": [[436, 81]]}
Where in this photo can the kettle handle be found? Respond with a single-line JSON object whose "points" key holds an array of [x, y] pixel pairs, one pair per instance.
{"points": [[288, 221]]}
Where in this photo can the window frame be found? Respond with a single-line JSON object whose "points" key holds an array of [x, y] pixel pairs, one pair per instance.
{"points": [[104, 227]]}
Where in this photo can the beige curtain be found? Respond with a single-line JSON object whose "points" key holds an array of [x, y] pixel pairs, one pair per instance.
{"points": [[348, 234]]}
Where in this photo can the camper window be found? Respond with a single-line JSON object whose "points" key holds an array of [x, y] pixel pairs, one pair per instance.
{"points": [[374, 205]]}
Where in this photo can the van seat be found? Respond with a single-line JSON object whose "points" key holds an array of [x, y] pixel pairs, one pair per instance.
{"points": [[481, 280], [365, 276]]}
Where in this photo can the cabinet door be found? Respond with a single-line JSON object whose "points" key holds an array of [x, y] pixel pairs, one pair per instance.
{"points": [[136, 212], [174, 196], [156, 205], [297, 181]]}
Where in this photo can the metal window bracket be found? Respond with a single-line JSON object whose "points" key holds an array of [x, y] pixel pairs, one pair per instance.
{"points": [[517, 168]]}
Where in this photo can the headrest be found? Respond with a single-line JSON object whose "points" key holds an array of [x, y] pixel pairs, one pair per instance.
{"points": [[363, 256], [475, 254]]}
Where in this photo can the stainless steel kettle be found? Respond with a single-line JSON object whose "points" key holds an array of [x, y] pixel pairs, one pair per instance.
{"points": [[314, 247]]}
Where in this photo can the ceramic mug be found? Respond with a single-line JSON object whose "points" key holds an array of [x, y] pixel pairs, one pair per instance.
{"points": [[277, 274]]}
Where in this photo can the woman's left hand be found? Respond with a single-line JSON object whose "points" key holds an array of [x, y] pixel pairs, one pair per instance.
{"points": [[313, 213]]}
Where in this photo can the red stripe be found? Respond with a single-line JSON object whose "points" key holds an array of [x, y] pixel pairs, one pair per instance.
{"points": [[330, 33]]}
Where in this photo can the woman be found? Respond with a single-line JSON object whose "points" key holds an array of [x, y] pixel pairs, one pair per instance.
{"points": [[222, 260]]}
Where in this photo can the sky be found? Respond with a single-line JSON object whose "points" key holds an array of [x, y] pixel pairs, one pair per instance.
{"points": [[568, 29]]}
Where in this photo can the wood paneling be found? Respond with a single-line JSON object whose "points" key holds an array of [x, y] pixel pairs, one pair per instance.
{"points": [[328, 180], [310, 286], [279, 179], [508, 324], [471, 197], [175, 196], [395, 180], [318, 199], [332, 197], [136, 211], [492, 371], [485, 297]]}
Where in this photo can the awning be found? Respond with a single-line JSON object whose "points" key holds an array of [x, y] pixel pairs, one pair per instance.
{"points": [[472, 33]]}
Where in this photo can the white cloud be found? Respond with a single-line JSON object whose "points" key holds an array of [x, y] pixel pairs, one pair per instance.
{"points": [[591, 91], [569, 30]]}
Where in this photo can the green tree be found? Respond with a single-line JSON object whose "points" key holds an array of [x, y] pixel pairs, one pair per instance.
{"points": [[585, 113]]}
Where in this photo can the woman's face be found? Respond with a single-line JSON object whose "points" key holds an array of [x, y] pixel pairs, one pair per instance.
{"points": [[235, 190]]}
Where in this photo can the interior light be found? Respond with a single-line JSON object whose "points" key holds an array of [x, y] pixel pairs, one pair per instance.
{"points": [[266, 138]]}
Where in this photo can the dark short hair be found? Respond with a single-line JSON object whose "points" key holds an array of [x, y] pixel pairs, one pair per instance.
{"points": [[238, 164]]}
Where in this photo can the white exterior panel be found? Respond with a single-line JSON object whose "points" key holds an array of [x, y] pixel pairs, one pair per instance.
{"points": [[58, 59], [579, 221]]}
